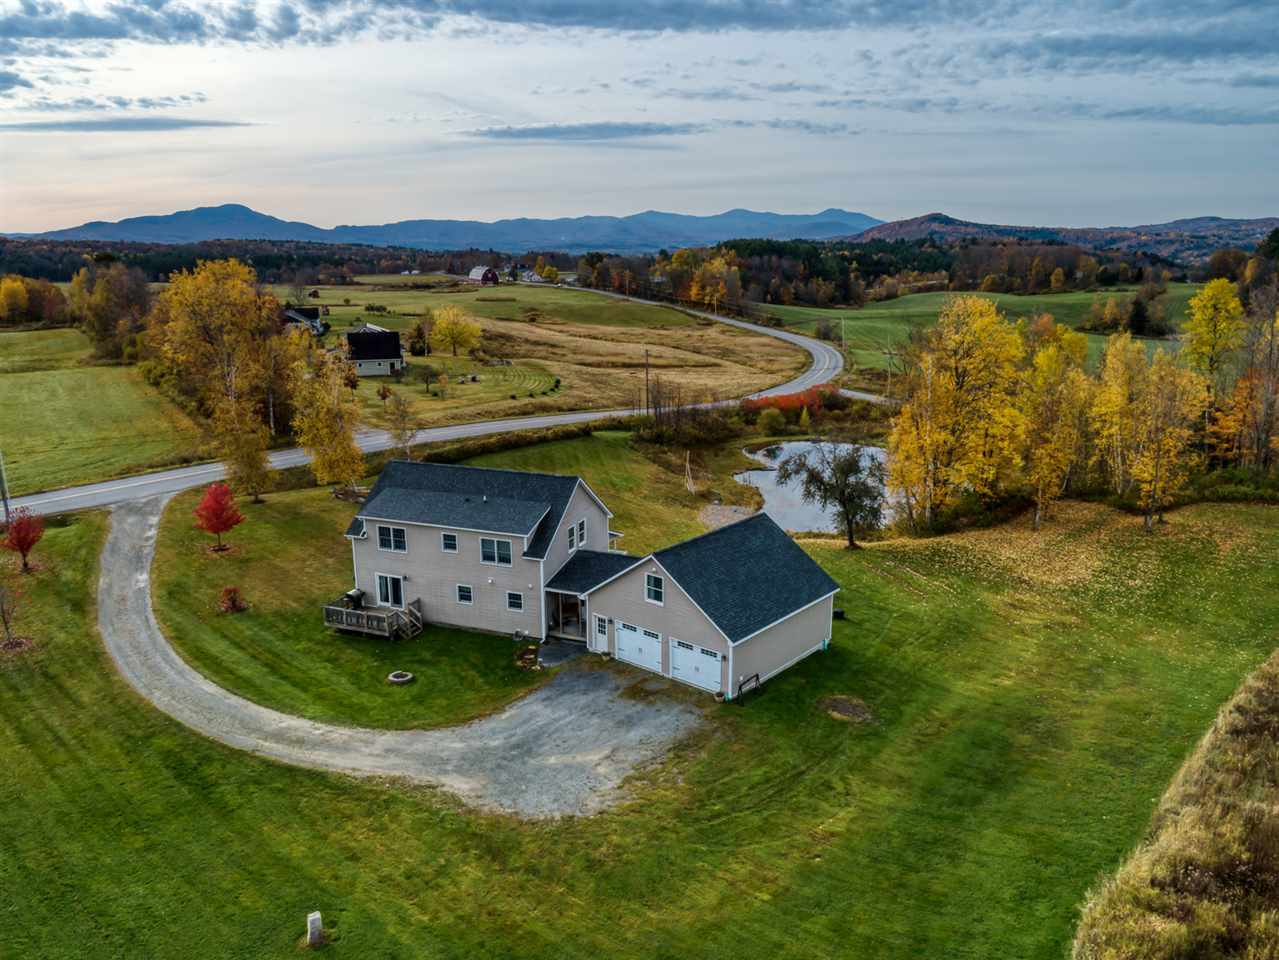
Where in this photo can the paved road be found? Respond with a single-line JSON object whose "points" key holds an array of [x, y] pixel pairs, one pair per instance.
{"points": [[563, 749], [826, 366]]}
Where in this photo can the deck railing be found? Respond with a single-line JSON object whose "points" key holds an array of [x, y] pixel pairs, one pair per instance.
{"points": [[382, 621]]}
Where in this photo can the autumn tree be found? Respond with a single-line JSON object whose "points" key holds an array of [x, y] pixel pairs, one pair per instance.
{"points": [[211, 323], [324, 419], [242, 439], [1057, 282], [454, 331], [110, 302], [13, 300], [843, 477], [1116, 409], [403, 425], [1055, 396], [217, 513], [1213, 329], [1175, 400], [24, 532], [960, 427]]}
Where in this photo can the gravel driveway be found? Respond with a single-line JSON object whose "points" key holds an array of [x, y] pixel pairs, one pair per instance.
{"points": [[563, 749]]}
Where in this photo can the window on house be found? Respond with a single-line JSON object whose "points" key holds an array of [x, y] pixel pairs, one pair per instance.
{"points": [[464, 594], [652, 635], [572, 539], [654, 588], [581, 532], [495, 551], [390, 590], [601, 627], [394, 539], [448, 542], [514, 601]]}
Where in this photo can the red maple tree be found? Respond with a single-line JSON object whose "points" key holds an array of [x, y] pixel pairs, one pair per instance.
{"points": [[25, 531], [217, 512]]}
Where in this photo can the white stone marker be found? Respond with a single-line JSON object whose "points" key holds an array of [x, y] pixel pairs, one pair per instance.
{"points": [[314, 929]]}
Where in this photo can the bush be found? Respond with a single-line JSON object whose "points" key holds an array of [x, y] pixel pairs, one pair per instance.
{"points": [[232, 601], [771, 422]]}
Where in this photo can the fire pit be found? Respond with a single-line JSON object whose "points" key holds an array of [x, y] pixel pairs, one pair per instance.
{"points": [[400, 677]]}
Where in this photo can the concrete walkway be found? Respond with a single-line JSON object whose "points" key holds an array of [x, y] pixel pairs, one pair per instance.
{"points": [[564, 749]]}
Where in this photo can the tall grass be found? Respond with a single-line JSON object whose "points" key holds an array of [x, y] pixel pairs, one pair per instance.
{"points": [[1205, 883]]}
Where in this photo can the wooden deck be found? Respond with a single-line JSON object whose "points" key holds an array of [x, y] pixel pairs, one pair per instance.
{"points": [[378, 621]]}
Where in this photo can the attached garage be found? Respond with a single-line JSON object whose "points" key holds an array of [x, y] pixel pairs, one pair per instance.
{"points": [[696, 666], [724, 610], [638, 645]]}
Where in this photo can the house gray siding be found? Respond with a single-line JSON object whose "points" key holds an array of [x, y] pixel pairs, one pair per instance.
{"points": [[377, 368], [677, 617], [433, 575], [774, 649], [581, 505]]}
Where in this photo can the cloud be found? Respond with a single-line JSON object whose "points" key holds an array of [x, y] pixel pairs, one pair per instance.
{"points": [[1258, 80], [585, 132], [1198, 115], [117, 125], [97, 104], [10, 81]]}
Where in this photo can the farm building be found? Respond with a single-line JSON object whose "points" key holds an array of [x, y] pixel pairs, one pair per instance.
{"points": [[486, 276], [374, 351]]}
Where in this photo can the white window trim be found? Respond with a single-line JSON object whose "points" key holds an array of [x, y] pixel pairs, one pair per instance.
{"points": [[457, 594], [391, 548], [377, 580], [572, 538], [497, 561], [581, 533], [522, 608], [647, 598], [443, 548]]}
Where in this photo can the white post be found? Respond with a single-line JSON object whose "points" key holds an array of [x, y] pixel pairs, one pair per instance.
{"points": [[314, 929]]}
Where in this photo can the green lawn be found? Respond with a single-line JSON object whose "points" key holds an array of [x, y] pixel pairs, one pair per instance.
{"points": [[876, 326], [1033, 694], [68, 423]]}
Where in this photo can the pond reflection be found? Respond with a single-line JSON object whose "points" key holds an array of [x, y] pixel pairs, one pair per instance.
{"points": [[785, 504]]}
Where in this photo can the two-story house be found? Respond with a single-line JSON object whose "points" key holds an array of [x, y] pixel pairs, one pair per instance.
{"points": [[506, 551]]}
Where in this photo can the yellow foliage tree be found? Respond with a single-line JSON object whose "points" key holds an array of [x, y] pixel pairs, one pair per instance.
{"points": [[1175, 400], [1056, 397], [211, 322], [13, 299], [1115, 413], [242, 440], [324, 419], [961, 426], [1213, 329], [454, 331], [1058, 280]]}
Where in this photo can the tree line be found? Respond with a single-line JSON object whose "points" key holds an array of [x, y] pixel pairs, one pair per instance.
{"points": [[994, 409]]}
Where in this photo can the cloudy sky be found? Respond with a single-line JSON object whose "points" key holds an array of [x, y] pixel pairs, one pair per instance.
{"points": [[1087, 112]]}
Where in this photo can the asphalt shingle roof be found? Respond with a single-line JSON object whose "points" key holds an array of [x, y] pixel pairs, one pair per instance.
{"points": [[371, 345], [587, 569], [747, 575], [454, 496]]}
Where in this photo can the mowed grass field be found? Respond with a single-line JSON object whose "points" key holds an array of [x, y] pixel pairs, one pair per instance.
{"points": [[877, 326], [65, 422], [597, 346], [1032, 693]]}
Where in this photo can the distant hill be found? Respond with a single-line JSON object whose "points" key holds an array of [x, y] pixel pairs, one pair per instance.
{"points": [[1189, 241], [642, 232]]}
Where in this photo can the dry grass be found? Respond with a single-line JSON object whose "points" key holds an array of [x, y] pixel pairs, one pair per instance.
{"points": [[1206, 881]]}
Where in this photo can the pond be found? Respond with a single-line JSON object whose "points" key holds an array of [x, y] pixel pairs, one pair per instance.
{"points": [[785, 504]]}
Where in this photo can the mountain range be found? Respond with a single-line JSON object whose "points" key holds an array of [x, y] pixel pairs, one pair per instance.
{"points": [[642, 232], [1188, 240]]}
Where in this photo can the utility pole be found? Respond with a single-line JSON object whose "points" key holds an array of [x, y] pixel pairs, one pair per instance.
{"points": [[646, 381], [4, 490]]}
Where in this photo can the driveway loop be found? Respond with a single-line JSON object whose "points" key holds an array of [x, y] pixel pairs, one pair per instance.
{"points": [[562, 750]]}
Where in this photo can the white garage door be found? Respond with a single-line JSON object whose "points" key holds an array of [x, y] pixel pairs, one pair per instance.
{"points": [[695, 665], [639, 646]]}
